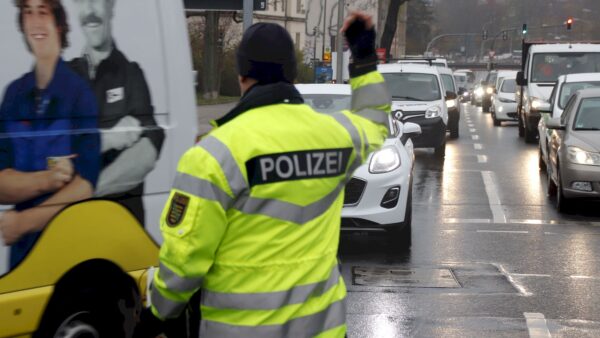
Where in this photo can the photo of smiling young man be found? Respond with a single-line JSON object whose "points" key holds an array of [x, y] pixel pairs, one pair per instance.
{"points": [[49, 143], [131, 138]]}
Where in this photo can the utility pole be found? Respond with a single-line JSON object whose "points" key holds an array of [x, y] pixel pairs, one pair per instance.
{"points": [[339, 77], [324, 29], [248, 9]]}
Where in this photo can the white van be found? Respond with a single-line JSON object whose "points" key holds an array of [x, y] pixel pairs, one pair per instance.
{"points": [[113, 118], [419, 93], [544, 64]]}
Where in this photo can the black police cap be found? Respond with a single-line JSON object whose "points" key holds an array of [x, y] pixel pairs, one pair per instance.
{"points": [[267, 54]]}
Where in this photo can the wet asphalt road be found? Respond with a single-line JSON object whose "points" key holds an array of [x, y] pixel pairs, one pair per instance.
{"points": [[490, 255]]}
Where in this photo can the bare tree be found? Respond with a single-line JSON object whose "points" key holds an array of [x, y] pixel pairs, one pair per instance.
{"points": [[391, 24]]}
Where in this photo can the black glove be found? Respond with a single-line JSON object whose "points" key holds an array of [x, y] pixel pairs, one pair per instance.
{"points": [[362, 44], [149, 326]]}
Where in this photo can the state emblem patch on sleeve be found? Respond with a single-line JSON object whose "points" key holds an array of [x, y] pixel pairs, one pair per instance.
{"points": [[177, 209]]}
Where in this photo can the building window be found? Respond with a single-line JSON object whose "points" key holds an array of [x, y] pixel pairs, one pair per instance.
{"points": [[275, 5], [299, 6]]}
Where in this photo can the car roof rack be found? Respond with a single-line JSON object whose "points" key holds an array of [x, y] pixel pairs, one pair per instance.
{"points": [[430, 60]]}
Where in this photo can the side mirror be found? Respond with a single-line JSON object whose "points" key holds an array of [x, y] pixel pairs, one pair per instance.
{"points": [[495, 90], [451, 96], [555, 124], [411, 129], [398, 115], [521, 81], [461, 91], [544, 107]]}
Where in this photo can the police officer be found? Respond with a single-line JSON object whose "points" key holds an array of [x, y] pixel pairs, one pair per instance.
{"points": [[131, 139], [253, 219]]}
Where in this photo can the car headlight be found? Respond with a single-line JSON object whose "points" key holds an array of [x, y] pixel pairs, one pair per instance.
{"points": [[465, 94], [450, 103], [536, 103], [384, 160], [489, 90], [506, 100], [579, 156], [433, 112], [479, 91]]}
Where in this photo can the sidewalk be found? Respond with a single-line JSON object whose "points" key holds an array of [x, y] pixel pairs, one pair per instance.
{"points": [[211, 112]]}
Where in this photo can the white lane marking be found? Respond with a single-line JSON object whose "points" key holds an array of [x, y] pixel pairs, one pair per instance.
{"points": [[482, 158], [583, 277], [530, 275], [471, 125], [473, 130], [475, 137], [510, 278], [493, 198], [467, 220], [502, 232], [536, 324], [478, 146]]}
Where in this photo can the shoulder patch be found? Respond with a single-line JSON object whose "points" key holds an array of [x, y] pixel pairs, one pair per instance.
{"points": [[177, 209]]}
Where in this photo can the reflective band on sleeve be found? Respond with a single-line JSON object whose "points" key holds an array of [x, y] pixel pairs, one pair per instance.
{"points": [[202, 188], [377, 116], [165, 307], [223, 155], [307, 326], [270, 300], [369, 96], [176, 283], [347, 124]]}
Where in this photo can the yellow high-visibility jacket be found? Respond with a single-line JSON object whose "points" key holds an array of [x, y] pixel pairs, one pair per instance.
{"points": [[253, 219]]}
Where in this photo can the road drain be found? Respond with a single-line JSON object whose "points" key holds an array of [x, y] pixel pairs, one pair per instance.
{"points": [[404, 277]]}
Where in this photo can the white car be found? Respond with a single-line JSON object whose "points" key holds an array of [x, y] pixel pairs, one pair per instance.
{"points": [[565, 87], [419, 93], [504, 106], [378, 197]]}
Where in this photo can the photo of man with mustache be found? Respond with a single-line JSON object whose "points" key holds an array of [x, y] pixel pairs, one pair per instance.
{"points": [[131, 138]]}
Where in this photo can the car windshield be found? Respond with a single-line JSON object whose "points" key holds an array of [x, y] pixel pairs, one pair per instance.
{"points": [[509, 86], [547, 67], [460, 78], [588, 116], [448, 83], [569, 89], [413, 86], [328, 103]]}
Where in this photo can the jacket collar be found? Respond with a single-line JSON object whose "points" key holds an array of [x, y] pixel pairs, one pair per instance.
{"points": [[54, 86], [263, 95]]}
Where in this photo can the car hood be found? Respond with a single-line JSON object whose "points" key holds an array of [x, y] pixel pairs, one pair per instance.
{"points": [[541, 92], [586, 140], [409, 106]]}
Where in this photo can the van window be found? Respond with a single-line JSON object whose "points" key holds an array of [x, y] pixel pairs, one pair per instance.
{"points": [[547, 67], [509, 86], [413, 86], [448, 83]]}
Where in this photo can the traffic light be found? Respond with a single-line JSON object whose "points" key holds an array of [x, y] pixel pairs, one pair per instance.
{"points": [[524, 29], [484, 36], [569, 23]]}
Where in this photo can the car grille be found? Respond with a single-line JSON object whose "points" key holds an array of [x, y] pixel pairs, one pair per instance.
{"points": [[407, 116], [353, 191]]}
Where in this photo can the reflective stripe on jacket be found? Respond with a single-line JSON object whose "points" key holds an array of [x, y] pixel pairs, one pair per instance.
{"points": [[254, 218]]}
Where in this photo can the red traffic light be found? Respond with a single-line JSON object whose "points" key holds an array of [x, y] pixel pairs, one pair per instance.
{"points": [[569, 23]]}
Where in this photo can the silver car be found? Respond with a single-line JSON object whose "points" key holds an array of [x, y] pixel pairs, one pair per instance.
{"points": [[574, 150]]}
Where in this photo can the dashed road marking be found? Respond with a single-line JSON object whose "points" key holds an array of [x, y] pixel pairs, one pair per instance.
{"points": [[482, 158], [467, 220], [536, 324], [475, 137], [494, 200], [478, 146], [502, 231], [473, 130], [519, 222]]}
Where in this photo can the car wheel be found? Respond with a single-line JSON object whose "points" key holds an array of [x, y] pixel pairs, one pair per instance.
{"points": [[454, 133], [541, 163], [440, 152], [401, 239], [497, 122], [563, 204], [530, 136], [521, 127]]}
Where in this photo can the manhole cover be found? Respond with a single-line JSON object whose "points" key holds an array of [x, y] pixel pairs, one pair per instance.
{"points": [[404, 277]]}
